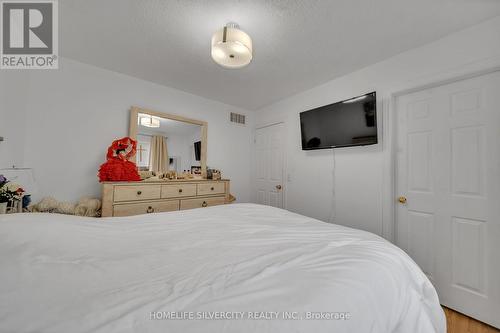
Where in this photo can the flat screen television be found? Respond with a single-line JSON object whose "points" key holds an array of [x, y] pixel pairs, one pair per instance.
{"points": [[197, 150], [352, 122]]}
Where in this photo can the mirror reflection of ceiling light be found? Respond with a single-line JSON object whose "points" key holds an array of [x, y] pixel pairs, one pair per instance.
{"points": [[231, 47], [149, 120]]}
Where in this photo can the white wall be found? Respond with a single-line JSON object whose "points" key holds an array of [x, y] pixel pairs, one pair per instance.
{"points": [[71, 115], [12, 117], [363, 174]]}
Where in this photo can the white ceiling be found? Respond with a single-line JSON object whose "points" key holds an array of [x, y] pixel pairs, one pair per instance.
{"points": [[297, 44]]}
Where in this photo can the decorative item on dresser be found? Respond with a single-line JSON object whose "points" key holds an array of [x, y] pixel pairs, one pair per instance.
{"points": [[117, 166], [133, 198]]}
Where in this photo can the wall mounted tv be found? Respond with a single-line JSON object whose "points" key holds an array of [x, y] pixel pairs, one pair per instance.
{"points": [[197, 150], [352, 122]]}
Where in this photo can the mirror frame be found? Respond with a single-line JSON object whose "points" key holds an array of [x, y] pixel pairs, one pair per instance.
{"points": [[134, 114]]}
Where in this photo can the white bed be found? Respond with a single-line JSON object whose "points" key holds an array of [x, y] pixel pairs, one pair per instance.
{"points": [[254, 264]]}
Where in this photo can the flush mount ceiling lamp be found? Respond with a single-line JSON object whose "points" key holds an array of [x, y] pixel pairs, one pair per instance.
{"points": [[148, 120], [231, 47]]}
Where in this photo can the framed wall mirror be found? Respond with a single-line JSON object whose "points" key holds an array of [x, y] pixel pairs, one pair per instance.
{"points": [[167, 142]]}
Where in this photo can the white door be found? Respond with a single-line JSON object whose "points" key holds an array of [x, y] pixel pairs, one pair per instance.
{"points": [[269, 157], [448, 172]]}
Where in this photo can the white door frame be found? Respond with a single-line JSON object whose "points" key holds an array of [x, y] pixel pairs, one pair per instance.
{"points": [[389, 227], [285, 161]]}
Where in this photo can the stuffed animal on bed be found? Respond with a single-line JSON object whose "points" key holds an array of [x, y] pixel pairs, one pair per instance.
{"points": [[85, 207], [118, 167], [46, 205], [88, 207]]}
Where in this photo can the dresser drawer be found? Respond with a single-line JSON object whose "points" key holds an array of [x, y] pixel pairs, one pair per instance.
{"points": [[178, 190], [211, 188], [145, 208], [202, 202], [139, 192]]}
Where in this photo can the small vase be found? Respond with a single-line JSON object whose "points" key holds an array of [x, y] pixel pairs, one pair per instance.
{"points": [[3, 207]]}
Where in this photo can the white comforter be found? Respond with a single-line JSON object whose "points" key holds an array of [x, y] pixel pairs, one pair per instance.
{"points": [[262, 269]]}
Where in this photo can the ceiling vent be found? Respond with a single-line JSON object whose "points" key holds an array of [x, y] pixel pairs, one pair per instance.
{"points": [[237, 118]]}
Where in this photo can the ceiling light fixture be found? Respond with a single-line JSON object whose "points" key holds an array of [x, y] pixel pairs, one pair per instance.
{"points": [[231, 47], [148, 120]]}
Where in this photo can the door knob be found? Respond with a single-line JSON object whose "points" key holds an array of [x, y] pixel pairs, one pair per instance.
{"points": [[278, 187], [402, 200]]}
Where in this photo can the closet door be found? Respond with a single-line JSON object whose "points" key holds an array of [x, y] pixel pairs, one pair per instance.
{"points": [[448, 186], [269, 160]]}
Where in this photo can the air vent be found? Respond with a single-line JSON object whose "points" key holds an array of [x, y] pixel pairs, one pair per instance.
{"points": [[237, 118]]}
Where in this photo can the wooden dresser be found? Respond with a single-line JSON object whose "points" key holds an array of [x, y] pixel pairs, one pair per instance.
{"points": [[133, 198]]}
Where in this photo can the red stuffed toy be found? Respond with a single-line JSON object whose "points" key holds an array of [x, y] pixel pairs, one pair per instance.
{"points": [[117, 166]]}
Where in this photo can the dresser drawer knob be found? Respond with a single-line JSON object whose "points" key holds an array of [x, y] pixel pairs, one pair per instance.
{"points": [[150, 210], [180, 190], [139, 192], [204, 204], [212, 188]]}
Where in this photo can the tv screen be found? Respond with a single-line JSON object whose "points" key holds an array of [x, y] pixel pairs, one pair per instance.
{"points": [[197, 150], [352, 122]]}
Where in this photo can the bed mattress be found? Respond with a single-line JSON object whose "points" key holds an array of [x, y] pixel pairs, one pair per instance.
{"points": [[231, 268]]}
